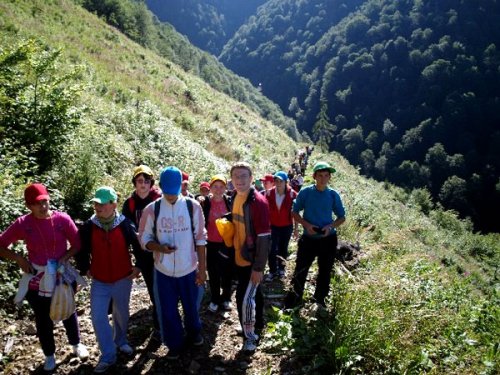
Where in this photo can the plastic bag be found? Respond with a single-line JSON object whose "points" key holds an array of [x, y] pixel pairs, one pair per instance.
{"points": [[63, 301], [226, 230]]}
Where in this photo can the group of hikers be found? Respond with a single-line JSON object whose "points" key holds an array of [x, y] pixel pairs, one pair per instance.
{"points": [[230, 230]]}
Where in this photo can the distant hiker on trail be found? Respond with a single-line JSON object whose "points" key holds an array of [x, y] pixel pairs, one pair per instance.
{"points": [[204, 190], [185, 186], [252, 240], [106, 238], [145, 192], [280, 199], [319, 239], [220, 258], [173, 228], [268, 181], [46, 234]]}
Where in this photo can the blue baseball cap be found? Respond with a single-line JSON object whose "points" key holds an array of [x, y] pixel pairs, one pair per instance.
{"points": [[171, 180], [281, 175]]}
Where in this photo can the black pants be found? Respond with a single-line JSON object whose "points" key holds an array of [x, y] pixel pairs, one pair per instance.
{"points": [[280, 238], [148, 274], [45, 325], [220, 264], [308, 249]]}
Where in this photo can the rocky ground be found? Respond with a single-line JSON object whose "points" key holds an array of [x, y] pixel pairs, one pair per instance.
{"points": [[220, 354]]}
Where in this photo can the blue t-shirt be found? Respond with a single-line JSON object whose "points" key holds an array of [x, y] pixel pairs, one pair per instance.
{"points": [[318, 206]]}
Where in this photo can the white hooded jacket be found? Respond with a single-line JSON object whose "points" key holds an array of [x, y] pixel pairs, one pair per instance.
{"points": [[173, 228]]}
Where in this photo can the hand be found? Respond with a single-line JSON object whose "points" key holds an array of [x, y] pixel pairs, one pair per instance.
{"points": [[167, 249], [201, 277], [310, 229], [25, 265], [326, 230], [136, 271], [256, 277]]}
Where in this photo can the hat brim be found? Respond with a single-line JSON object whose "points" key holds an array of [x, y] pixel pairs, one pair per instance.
{"points": [[171, 191], [329, 169], [214, 181]]}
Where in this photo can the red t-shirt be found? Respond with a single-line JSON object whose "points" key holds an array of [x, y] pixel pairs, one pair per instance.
{"points": [[217, 210]]}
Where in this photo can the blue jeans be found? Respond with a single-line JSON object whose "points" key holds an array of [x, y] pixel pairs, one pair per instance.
{"points": [[168, 292], [109, 337], [280, 238]]}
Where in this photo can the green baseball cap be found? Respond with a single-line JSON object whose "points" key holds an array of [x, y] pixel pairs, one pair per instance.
{"points": [[323, 165], [105, 194]]}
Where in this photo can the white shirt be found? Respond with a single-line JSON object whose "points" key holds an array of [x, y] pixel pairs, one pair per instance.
{"points": [[173, 228]]}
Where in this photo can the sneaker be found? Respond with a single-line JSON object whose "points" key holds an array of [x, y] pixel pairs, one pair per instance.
{"points": [[172, 355], [227, 305], [213, 307], [126, 349], [50, 363], [102, 367], [80, 351], [281, 274], [269, 277], [250, 345]]}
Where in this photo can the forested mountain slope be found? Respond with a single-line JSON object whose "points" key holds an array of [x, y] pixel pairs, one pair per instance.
{"points": [[135, 20], [208, 24], [408, 90]]}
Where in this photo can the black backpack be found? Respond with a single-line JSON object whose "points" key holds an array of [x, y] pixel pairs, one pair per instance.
{"points": [[189, 202]]}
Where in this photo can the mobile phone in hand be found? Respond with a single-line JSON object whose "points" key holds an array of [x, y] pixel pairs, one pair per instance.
{"points": [[319, 230]]}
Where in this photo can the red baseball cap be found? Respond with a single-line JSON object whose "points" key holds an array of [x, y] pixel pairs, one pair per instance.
{"points": [[205, 185], [268, 178], [35, 193], [185, 176]]}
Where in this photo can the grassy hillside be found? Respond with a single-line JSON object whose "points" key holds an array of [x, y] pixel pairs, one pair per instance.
{"points": [[425, 298]]}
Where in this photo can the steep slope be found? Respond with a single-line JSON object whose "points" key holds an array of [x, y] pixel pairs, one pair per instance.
{"points": [[164, 114], [267, 47], [135, 20], [424, 299]]}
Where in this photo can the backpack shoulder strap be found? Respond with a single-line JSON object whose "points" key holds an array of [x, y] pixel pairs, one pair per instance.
{"points": [[131, 205], [157, 213], [189, 203]]}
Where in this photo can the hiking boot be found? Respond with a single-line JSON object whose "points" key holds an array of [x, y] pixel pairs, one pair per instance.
{"points": [[50, 363], [80, 351], [213, 307]]}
